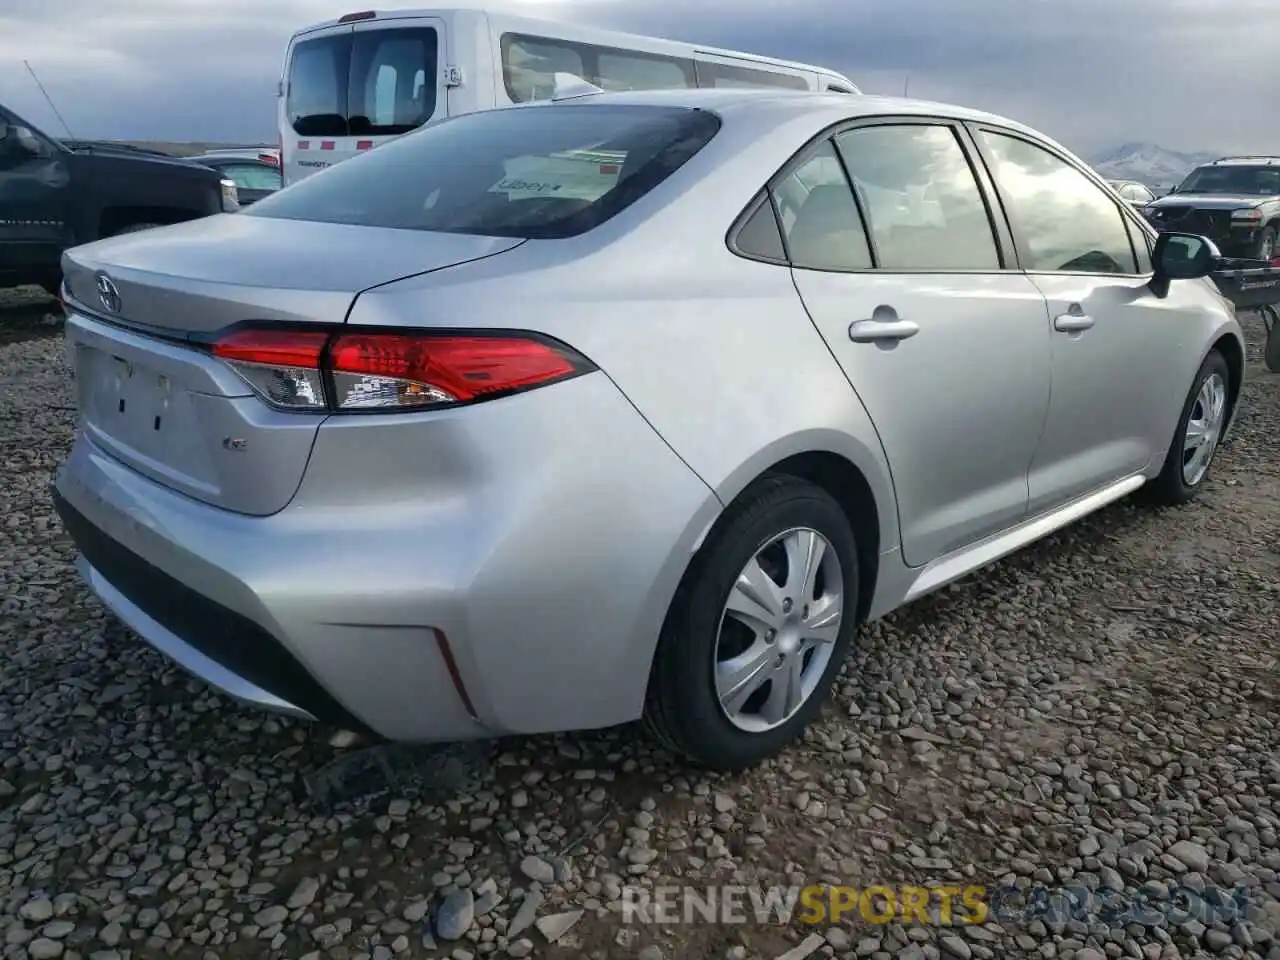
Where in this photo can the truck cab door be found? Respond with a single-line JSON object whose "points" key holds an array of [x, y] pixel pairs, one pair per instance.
{"points": [[35, 187]]}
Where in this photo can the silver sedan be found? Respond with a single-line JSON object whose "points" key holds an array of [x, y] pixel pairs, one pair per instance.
{"points": [[626, 405]]}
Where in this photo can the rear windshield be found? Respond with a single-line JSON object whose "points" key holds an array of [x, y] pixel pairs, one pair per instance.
{"points": [[369, 83], [532, 172]]}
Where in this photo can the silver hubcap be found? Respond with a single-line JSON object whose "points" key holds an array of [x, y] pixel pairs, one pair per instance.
{"points": [[778, 630], [1268, 247], [1204, 427]]}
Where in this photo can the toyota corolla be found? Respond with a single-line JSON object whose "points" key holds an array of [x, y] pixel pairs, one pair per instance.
{"points": [[624, 405]]}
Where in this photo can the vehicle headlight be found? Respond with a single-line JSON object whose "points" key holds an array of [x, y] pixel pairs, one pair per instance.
{"points": [[230, 196], [1252, 215]]}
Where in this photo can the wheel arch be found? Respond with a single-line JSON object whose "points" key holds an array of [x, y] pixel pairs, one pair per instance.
{"points": [[1233, 351], [854, 476], [114, 219]]}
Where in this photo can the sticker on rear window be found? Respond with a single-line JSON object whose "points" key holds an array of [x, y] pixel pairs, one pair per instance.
{"points": [[575, 174]]}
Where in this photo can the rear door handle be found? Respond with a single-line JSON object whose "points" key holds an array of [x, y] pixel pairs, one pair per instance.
{"points": [[1072, 322], [870, 331]]}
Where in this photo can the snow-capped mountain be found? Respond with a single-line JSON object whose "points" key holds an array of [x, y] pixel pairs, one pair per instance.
{"points": [[1151, 164]]}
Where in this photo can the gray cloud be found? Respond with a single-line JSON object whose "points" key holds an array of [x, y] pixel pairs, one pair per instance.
{"points": [[1188, 75]]}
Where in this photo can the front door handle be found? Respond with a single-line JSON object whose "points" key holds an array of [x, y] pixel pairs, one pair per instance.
{"points": [[1072, 322], [869, 331]]}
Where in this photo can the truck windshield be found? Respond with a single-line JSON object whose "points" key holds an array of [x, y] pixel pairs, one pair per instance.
{"points": [[1244, 179], [372, 83], [533, 172]]}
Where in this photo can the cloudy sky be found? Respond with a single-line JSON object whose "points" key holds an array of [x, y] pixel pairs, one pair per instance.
{"points": [[1186, 74]]}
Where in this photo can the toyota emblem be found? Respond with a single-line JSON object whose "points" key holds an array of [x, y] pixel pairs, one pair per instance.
{"points": [[108, 294]]}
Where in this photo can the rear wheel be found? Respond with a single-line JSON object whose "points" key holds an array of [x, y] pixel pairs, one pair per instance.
{"points": [[1195, 442], [759, 628]]}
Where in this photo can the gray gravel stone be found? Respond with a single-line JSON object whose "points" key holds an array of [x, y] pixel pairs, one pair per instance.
{"points": [[456, 914], [1101, 707]]}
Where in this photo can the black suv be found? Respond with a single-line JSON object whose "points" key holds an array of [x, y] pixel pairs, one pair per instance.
{"points": [[1234, 201], [55, 195]]}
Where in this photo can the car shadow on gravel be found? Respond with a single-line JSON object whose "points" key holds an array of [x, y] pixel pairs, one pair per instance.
{"points": [[28, 313]]}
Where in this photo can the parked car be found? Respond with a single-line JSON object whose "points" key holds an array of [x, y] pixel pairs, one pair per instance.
{"points": [[1234, 201], [54, 196], [360, 80], [254, 179], [269, 155], [1138, 194], [640, 411]]}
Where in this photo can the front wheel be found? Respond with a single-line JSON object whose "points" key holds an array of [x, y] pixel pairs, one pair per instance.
{"points": [[758, 629], [1204, 416]]}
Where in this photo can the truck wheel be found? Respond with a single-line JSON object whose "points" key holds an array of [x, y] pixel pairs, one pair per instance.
{"points": [[1271, 353], [1266, 244], [135, 227]]}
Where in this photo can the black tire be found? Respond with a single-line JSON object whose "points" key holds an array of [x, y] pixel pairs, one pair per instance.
{"points": [[682, 710], [1266, 248], [1170, 487], [52, 287], [1271, 352]]}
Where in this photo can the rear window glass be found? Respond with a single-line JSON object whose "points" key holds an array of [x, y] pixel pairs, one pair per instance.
{"points": [[534, 172], [253, 176], [369, 83]]}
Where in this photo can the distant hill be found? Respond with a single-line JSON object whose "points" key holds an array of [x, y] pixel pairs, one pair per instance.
{"points": [[1149, 163]]}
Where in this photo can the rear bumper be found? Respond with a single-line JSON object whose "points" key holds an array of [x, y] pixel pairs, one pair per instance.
{"points": [[211, 641], [502, 569]]}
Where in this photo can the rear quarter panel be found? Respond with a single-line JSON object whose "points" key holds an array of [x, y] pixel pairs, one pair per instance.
{"points": [[715, 351]]}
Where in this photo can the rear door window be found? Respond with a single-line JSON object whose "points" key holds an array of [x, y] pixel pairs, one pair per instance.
{"points": [[920, 199], [366, 83], [820, 219], [317, 96], [544, 172], [392, 81]]}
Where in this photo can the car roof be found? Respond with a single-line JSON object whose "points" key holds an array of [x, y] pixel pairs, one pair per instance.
{"points": [[769, 106]]}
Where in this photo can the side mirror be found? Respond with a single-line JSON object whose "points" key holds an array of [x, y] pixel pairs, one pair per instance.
{"points": [[22, 138], [1182, 256], [29, 141]]}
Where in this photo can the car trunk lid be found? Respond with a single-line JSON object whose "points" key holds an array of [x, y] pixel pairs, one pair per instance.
{"points": [[191, 279], [143, 309]]}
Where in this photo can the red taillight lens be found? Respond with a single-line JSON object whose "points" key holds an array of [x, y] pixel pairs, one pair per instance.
{"points": [[282, 366], [367, 370], [378, 370]]}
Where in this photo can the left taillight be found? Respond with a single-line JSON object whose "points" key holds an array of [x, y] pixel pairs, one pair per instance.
{"points": [[372, 371]]}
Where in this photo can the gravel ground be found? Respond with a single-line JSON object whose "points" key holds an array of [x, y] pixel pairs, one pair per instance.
{"points": [[1099, 709]]}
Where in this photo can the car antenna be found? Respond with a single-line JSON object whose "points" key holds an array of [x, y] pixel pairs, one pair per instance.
{"points": [[49, 100], [569, 86]]}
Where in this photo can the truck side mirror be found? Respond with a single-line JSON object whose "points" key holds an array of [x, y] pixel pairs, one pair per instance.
{"points": [[28, 141]]}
